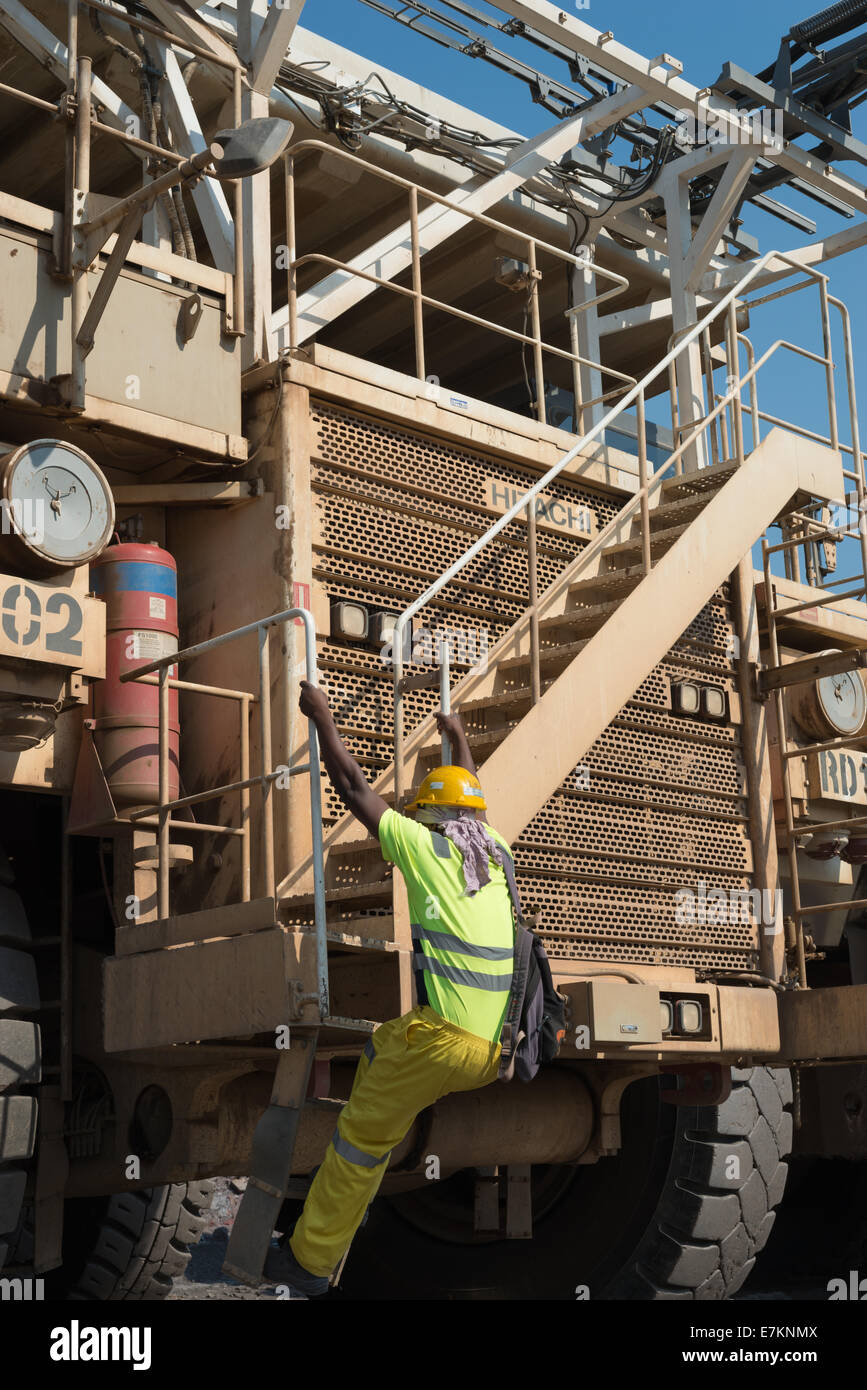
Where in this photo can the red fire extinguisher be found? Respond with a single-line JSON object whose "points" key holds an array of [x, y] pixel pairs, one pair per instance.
{"points": [[139, 586]]}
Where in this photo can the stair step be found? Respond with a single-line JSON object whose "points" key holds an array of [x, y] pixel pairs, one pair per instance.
{"points": [[505, 697], [580, 619], [349, 1025], [548, 656], [700, 479], [612, 584], [381, 890], [488, 739], [368, 928], [682, 509], [348, 941], [357, 846], [660, 541]]}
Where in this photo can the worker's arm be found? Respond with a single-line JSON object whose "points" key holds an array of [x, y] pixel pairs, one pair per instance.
{"points": [[346, 776], [461, 756]]}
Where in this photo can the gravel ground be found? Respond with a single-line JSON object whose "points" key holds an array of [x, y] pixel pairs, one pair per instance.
{"points": [[204, 1280], [781, 1281]]}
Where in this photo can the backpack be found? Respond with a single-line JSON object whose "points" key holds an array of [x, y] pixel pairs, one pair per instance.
{"points": [[535, 1022]]}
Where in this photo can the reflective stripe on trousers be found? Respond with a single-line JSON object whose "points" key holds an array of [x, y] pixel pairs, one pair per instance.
{"points": [[415, 1060]]}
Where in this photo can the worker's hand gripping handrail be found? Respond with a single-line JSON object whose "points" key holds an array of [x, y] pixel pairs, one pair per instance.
{"points": [[636, 392]]}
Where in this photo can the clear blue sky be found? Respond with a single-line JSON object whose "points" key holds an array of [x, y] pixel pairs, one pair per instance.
{"points": [[702, 37]]}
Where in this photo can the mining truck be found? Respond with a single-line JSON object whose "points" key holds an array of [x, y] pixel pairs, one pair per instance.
{"points": [[308, 372]]}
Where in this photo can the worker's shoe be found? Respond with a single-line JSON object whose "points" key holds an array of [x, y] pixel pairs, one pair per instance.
{"points": [[281, 1267]]}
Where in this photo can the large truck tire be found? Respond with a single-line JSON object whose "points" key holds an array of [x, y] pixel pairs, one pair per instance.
{"points": [[727, 1176], [681, 1212], [20, 1060], [132, 1245]]}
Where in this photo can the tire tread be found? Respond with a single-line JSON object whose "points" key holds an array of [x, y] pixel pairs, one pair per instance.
{"points": [[708, 1228]]}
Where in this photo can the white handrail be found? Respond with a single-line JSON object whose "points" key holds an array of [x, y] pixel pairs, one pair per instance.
{"points": [[398, 637]]}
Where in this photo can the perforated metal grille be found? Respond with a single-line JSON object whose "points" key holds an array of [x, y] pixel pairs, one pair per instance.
{"points": [[415, 461], [649, 832], [711, 768], [616, 922], [664, 808]]}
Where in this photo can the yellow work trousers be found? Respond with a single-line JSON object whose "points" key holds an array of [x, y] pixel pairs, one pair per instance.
{"points": [[408, 1064]]}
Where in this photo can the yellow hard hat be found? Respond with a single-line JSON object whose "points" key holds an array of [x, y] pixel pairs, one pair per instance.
{"points": [[450, 786]]}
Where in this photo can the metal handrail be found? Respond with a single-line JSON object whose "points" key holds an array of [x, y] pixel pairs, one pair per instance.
{"points": [[161, 668], [525, 503], [420, 299], [795, 922]]}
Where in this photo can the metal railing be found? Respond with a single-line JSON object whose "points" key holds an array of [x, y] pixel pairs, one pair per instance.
{"points": [[719, 442], [159, 673], [803, 531], [420, 300], [794, 923], [805, 524], [638, 507]]}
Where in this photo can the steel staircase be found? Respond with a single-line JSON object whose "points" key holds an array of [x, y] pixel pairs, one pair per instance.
{"points": [[579, 653], [602, 634]]}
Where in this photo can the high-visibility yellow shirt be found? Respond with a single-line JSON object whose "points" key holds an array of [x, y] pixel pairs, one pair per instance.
{"points": [[463, 945]]}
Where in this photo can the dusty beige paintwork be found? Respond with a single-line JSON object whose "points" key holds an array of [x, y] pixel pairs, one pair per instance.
{"points": [[182, 998]]}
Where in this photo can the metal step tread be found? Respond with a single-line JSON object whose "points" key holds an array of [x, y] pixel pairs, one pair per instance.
{"points": [[681, 509], [590, 617], [564, 651], [613, 582], [357, 846], [489, 739], [658, 539], [700, 479], [351, 1025], [348, 941], [381, 889], [518, 696], [368, 928]]}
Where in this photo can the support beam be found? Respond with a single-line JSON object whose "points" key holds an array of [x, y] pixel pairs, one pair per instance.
{"points": [[587, 337], [182, 20], [643, 315], [663, 86], [341, 291], [253, 18], [157, 233], [208, 196], [272, 43], [51, 53], [716, 284], [684, 311], [107, 281], [342, 67], [702, 160], [718, 214]]}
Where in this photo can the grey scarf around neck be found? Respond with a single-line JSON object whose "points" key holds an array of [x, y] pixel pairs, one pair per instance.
{"points": [[468, 835]]}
